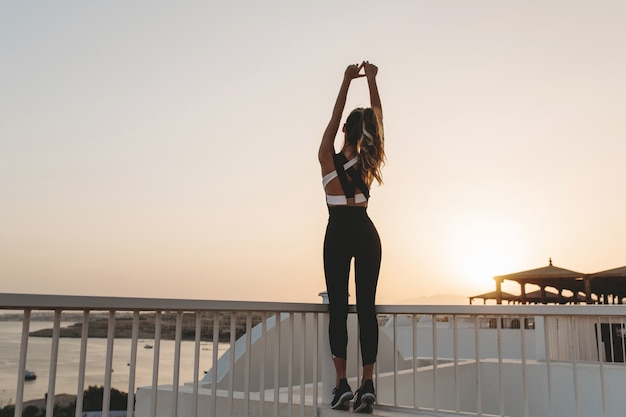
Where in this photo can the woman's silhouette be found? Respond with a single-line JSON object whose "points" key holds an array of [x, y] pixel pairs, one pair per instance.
{"points": [[347, 177]]}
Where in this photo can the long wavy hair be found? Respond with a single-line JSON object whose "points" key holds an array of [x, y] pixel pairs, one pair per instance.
{"points": [[364, 129]]}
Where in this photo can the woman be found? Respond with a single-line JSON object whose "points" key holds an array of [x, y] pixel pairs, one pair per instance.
{"points": [[350, 233]]}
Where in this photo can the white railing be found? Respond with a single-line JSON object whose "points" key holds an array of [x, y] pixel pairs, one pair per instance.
{"points": [[472, 360], [137, 306], [506, 360]]}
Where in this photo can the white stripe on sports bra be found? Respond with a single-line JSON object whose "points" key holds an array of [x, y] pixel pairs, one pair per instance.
{"points": [[341, 200], [333, 174]]}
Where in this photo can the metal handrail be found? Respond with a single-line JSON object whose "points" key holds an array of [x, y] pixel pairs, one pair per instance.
{"points": [[9, 301], [566, 315]]}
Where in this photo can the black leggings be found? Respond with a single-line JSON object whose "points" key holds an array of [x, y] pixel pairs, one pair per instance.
{"points": [[351, 234]]}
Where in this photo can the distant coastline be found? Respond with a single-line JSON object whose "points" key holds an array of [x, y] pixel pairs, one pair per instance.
{"points": [[98, 326]]}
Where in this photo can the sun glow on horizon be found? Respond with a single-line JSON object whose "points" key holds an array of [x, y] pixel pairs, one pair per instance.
{"points": [[483, 245]]}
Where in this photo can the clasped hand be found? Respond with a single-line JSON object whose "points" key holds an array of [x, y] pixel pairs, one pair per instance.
{"points": [[353, 71]]}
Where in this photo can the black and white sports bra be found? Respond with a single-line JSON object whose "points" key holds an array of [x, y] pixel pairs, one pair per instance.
{"points": [[350, 198]]}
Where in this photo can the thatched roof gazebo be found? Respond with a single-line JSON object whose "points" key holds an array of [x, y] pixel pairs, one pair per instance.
{"points": [[550, 297], [607, 286], [609, 283], [493, 295], [549, 276]]}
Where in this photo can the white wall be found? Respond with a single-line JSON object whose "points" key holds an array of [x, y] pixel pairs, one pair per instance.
{"points": [[563, 393], [303, 341], [466, 345]]}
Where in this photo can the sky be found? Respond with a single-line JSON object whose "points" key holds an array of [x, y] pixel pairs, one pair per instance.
{"points": [[169, 149]]}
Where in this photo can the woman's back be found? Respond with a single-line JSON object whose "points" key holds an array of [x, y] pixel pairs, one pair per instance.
{"points": [[342, 181]]}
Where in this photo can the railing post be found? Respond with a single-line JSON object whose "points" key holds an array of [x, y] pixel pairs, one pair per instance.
{"points": [[540, 338], [328, 368]]}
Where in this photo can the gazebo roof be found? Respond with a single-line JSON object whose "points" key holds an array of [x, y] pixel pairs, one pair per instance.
{"points": [[546, 273], [611, 273], [551, 276], [531, 297], [493, 295], [552, 297], [611, 281], [534, 296], [604, 284]]}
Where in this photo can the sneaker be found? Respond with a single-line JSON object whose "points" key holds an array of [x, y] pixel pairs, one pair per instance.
{"points": [[342, 396], [365, 398]]}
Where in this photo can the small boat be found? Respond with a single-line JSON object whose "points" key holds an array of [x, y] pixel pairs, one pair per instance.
{"points": [[147, 346], [29, 375]]}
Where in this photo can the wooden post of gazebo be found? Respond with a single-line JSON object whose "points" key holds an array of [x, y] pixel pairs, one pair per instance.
{"points": [[587, 282], [560, 296], [522, 285], [498, 290]]}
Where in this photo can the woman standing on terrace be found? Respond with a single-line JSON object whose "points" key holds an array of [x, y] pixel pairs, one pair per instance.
{"points": [[347, 177]]}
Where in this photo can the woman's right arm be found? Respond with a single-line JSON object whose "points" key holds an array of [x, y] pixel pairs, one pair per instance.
{"points": [[328, 139], [370, 73]]}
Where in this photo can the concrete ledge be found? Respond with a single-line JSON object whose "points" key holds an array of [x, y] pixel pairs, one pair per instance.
{"points": [[225, 406], [239, 406], [381, 411]]}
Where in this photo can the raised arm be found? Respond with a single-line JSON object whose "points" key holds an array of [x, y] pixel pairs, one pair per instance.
{"points": [[370, 73], [328, 139]]}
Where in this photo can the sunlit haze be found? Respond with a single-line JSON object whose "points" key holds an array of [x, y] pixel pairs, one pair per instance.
{"points": [[169, 149]]}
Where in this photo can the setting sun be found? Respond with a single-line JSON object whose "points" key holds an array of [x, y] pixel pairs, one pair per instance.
{"points": [[482, 245]]}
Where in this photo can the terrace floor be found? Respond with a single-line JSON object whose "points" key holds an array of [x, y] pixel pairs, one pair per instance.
{"points": [[382, 411]]}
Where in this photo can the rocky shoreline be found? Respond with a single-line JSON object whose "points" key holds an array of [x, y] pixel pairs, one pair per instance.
{"points": [[98, 327]]}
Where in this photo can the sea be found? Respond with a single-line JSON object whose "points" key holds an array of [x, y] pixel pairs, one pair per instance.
{"points": [[38, 361]]}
